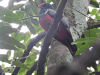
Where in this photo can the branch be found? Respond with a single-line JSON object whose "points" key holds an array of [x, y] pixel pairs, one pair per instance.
{"points": [[96, 73], [48, 38], [32, 69], [29, 48], [34, 16], [93, 26], [10, 4], [1, 71]]}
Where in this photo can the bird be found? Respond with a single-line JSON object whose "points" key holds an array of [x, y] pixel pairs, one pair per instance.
{"points": [[47, 13]]}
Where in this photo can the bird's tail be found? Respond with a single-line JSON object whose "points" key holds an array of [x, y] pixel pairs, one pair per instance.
{"points": [[67, 42], [72, 48]]}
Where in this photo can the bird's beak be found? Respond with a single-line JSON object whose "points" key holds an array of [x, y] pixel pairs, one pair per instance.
{"points": [[40, 6]]}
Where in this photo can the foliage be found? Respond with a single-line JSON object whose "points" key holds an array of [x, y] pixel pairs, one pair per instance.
{"points": [[13, 39]]}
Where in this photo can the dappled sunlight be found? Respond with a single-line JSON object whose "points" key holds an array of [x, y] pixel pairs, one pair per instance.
{"points": [[3, 51], [21, 2], [14, 25], [33, 36], [37, 48], [4, 3], [24, 29]]}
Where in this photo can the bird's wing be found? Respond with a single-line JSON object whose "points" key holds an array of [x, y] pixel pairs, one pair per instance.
{"points": [[63, 20], [64, 23], [51, 13]]}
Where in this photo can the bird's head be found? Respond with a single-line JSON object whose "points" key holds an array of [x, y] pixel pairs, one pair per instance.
{"points": [[45, 6]]}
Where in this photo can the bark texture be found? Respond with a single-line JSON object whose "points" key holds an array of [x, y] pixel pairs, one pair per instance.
{"points": [[74, 11], [58, 55]]}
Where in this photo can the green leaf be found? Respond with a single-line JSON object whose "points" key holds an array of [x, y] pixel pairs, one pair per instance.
{"points": [[82, 48], [26, 38], [6, 68], [3, 57], [98, 67], [38, 2], [19, 55], [81, 40], [16, 7], [88, 41], [94, 11], [35, 72], [98, 16], [34, 7], [1, 24], [48, 1], [19, 64], [27, 8], [94, 3], [21, 71], [8, 16], [7, 30], [30, 27], [11, 18], [32, 58], [7, 46], [55, 1], [19, 36], [20, 15], [35, 21], [28, 42], [9, 53], [38, 29], [3, 11], [93, 32], [12, 41]]}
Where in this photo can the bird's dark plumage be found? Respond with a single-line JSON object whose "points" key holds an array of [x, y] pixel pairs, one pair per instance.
{"points": [[62, 34]]}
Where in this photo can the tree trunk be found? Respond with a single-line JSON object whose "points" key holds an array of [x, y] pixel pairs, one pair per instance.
{"points": [[59, 54], [76, 11]]}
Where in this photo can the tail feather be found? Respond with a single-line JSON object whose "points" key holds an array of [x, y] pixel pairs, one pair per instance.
{"points": [[72, 48], [67, 42]]}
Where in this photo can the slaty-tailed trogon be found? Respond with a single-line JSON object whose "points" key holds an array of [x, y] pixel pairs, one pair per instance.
{"points": [[62, 34]]}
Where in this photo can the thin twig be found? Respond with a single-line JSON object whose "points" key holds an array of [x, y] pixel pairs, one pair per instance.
{"points": [[93, 73], [35, 16], [24, 57]]}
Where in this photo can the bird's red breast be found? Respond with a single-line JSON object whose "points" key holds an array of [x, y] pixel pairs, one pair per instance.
{"points": [[46, 22]]}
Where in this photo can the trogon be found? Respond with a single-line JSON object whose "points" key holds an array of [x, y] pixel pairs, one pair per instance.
{"points": [[62, 34]]}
